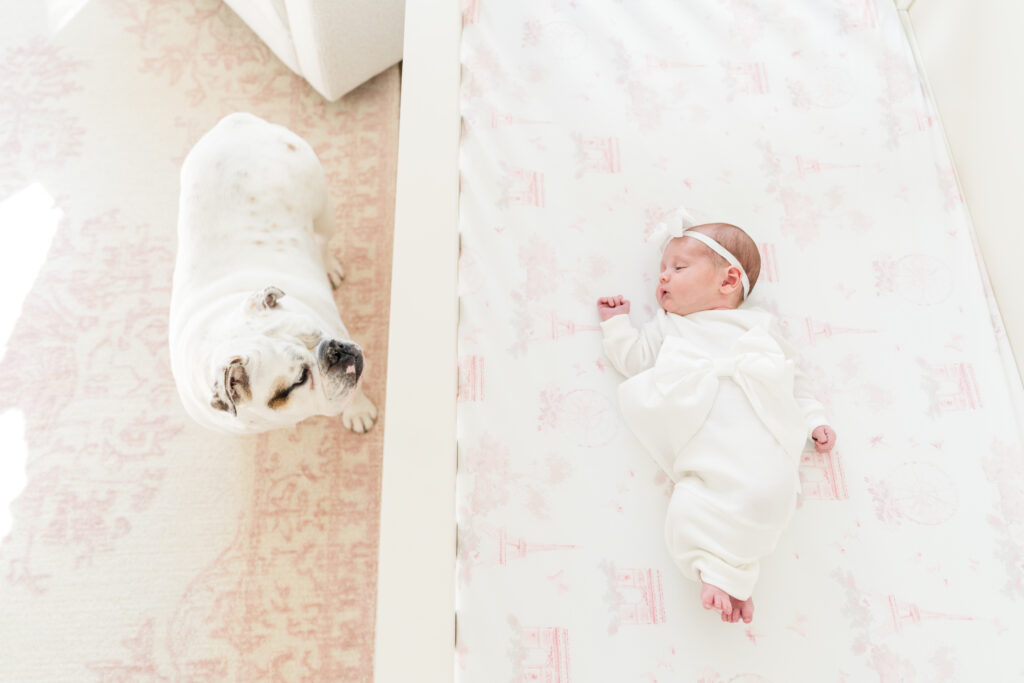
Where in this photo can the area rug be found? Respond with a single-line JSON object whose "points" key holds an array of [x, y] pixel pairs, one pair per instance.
{"points": [[138, 546]]}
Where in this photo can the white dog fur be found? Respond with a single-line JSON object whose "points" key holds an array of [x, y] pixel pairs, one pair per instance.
{"points": [[256, 339]]}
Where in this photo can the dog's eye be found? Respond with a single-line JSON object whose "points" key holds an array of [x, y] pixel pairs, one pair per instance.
{"points": [[282, 395]]}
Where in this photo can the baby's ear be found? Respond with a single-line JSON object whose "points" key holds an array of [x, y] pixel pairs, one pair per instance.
{"points": [[733, 282], [262, 300]]}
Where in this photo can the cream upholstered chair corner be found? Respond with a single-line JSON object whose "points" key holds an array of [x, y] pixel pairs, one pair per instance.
{"points": [[334, 44]]}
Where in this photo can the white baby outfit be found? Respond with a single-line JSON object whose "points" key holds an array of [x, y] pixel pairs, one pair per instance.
{"points": [[716, 399]]}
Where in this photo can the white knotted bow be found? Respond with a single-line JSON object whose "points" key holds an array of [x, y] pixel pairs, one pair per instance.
{"points": [[682, 385], [674, 225]]}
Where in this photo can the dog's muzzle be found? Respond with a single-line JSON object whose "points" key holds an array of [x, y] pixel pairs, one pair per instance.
{"points": [[343, 358]]}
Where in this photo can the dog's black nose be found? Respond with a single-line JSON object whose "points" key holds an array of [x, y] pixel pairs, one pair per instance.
{"points": [[338, 352], [345, 355]]}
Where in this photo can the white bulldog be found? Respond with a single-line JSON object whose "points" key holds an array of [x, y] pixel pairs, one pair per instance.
{"points": [[256, 339]]}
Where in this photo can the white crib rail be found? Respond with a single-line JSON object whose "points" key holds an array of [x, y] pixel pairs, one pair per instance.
{"points": [[415, 591]]}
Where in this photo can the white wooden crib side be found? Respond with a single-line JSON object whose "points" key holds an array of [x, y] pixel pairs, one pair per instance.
{"points": [[415, 626], [971, 56]]}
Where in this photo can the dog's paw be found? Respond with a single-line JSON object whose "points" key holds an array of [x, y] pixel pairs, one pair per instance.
{"points": [[360, 414], [335, 272]]}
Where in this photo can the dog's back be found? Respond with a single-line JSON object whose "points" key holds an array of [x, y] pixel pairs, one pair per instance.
{"points": [[247, 183]]}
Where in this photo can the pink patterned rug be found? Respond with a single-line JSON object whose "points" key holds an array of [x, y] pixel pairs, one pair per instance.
{"points": [[140, 547]]}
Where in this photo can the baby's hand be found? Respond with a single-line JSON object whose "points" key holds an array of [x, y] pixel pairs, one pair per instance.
{"points": [[824, 438], [610, 306]]}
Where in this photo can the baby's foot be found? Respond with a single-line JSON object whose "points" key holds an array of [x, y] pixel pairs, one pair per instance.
{"points": [[742, 608], [713, 597]]}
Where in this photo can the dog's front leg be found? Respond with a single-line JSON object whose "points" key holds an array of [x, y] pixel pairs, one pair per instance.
{"points": [[360, 414]]}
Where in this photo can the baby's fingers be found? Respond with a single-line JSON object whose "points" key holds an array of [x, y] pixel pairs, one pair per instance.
{"points": [[610, 301], [826, 443]]}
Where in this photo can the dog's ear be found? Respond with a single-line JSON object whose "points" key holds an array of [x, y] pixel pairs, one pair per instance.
{"points": [[219, 403], [231, 387], [263, 300]]}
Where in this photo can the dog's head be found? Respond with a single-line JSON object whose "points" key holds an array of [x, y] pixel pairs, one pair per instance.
{"points": [[280, 368]]}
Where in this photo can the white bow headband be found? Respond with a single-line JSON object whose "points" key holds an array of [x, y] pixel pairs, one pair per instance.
{"points": [[679, 224]]}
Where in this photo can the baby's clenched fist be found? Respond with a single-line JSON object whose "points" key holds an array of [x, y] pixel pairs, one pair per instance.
{"points": [[824, 438], [610, 306]]}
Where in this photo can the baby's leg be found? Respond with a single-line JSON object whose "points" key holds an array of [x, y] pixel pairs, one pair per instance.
{"points": [[703, 543]]}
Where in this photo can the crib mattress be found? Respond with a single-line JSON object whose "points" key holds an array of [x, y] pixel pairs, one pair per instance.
{"points": [[806, 123]]}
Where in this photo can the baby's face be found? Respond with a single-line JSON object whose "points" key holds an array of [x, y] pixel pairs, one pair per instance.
{"points": [[689, 279]]}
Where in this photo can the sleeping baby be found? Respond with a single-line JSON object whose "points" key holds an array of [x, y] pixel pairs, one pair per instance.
{"points": [[713, 393]]}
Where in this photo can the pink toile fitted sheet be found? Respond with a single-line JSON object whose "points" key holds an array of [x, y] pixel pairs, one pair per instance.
{"points": [[808, 124]]}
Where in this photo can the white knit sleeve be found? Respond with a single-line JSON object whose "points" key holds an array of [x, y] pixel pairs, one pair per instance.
{"points": [[812, 409], [631, 350]]}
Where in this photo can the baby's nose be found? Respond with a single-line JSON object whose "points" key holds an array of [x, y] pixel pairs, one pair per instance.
{"points": [[664, 276]]}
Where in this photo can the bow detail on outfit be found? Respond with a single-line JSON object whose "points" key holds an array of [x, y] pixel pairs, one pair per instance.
{"points": [[688, 377], [683, 384]]}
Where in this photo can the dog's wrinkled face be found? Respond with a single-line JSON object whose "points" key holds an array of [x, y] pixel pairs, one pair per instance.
{"points": [[282, 368]]}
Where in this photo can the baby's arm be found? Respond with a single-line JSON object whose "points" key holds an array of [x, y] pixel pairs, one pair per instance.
{"points": [[630, 350], [823, 435]]}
